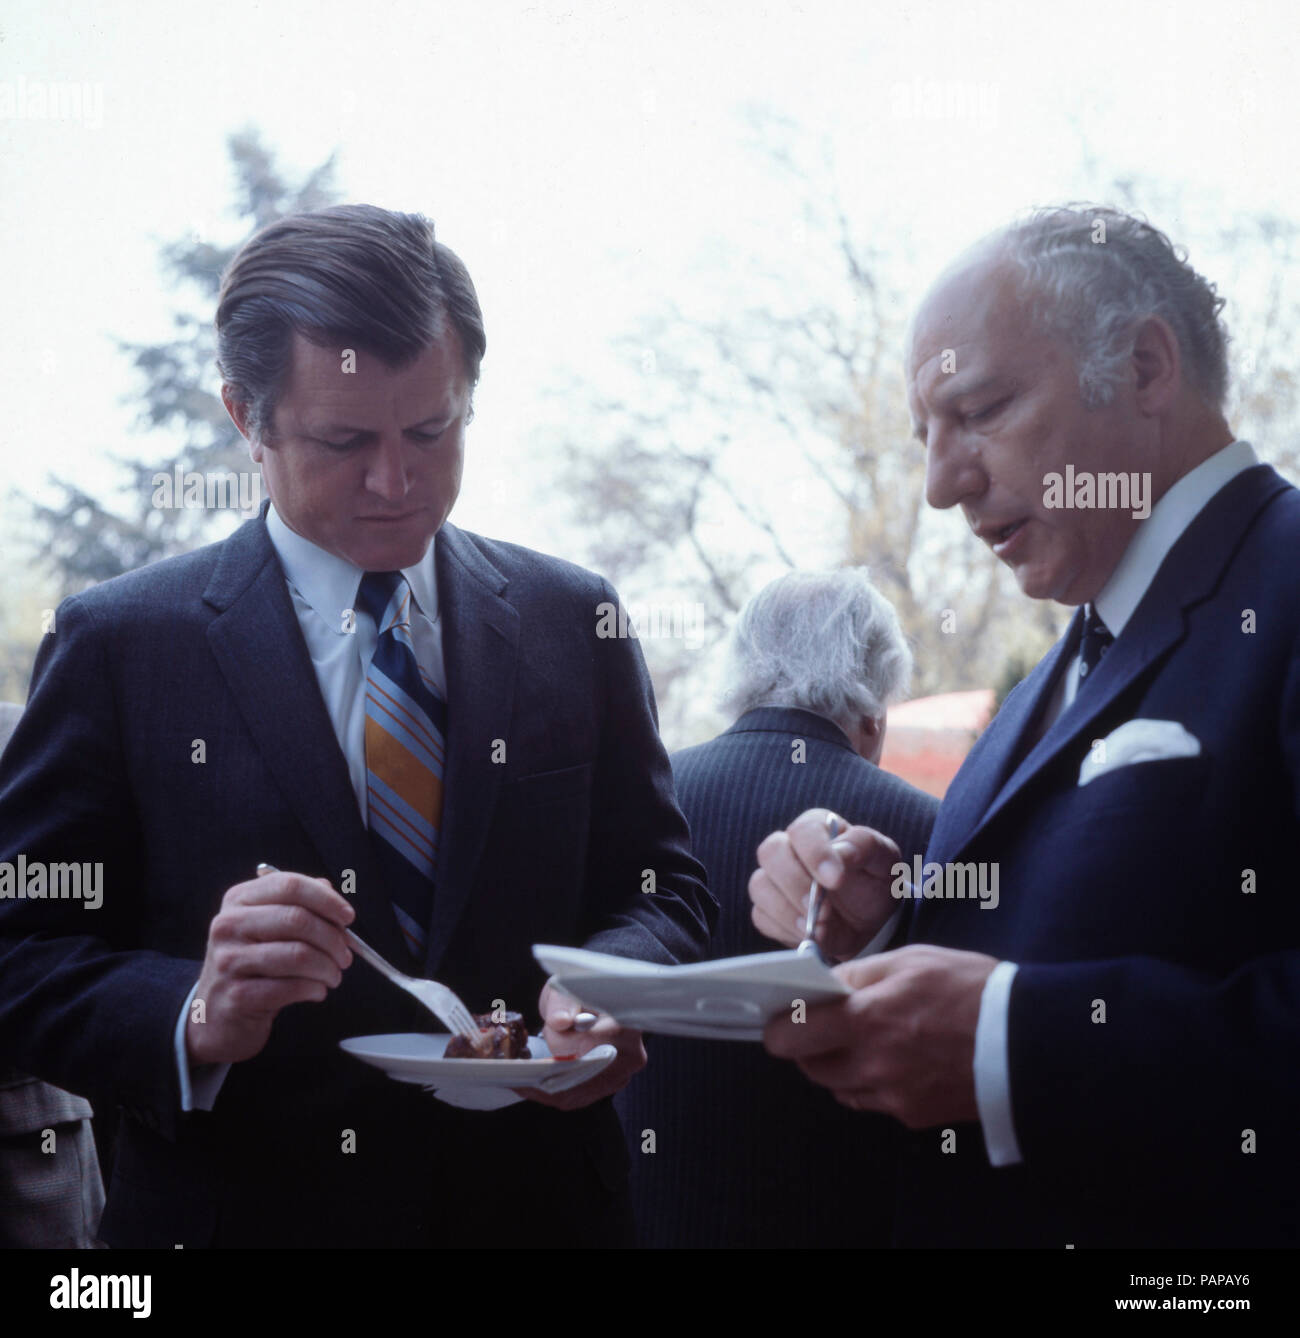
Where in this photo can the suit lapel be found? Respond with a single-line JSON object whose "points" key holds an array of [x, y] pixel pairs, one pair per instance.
{"points": [[480, 636], [259, 647], [974, 789], [1154, 630], [1186, 577]]}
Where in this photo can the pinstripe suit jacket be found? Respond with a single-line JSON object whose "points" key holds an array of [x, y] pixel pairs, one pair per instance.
{"points": [[749, 1153], [545, 846]]}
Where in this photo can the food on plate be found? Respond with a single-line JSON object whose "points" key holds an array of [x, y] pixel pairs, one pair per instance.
{"points": [[507, 1039]]}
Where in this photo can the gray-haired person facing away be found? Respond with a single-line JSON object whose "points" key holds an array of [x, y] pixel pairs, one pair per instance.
{"points": [[828, 643], [815, 658]]}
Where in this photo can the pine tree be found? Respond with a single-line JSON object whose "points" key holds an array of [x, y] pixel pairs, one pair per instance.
{"points": [[87, 542]]}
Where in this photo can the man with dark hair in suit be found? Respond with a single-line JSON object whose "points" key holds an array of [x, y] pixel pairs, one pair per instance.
{"points": [[1107, 1055], [815, 659], [420, 727]]}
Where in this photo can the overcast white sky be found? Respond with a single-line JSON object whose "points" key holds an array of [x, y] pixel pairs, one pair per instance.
{"points": [[585, 159]]}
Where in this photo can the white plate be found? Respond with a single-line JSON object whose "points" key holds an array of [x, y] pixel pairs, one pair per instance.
{"points": [[727, 1000], [474, 1084]]}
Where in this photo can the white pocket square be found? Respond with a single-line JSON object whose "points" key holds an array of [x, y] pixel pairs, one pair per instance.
{"points": [[1137, 741]]}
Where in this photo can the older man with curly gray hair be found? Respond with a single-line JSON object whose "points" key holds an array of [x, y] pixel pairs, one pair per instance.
{"points": [[1108, 1057]]}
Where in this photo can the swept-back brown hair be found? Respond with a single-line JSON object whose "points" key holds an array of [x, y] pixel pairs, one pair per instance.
{"points": [[352, 276]]}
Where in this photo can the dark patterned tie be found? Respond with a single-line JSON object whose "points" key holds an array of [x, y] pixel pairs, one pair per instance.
{"points": [[406, 729], [1096, 641]]}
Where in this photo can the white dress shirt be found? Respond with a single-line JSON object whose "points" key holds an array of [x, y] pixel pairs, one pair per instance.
{"points": [[341, 642], [1116, 604]]}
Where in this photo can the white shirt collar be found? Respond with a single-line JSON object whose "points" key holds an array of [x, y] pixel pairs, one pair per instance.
{"points": [[329, 583], [1158, 533]]}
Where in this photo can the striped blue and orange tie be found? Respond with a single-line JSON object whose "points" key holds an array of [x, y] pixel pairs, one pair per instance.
{"points": [[406, 731]]}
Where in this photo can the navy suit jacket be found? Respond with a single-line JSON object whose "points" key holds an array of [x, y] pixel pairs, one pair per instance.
{"points": [[547, 845], [1124, 898], [44, 1197], [749, 1153]]}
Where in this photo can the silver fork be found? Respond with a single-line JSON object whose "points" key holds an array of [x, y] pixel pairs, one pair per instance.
{"points": [[442, 1002], [809, 948]]}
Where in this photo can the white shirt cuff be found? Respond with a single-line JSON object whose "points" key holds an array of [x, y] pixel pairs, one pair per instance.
{"points": [[198, 1090], [993, 1068]]}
